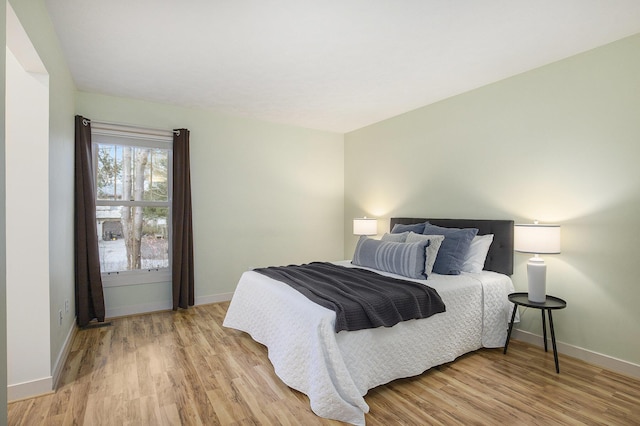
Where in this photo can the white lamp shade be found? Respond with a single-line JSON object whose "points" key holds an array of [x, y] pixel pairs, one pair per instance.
{"points": [[537, 238], [365, 226]]}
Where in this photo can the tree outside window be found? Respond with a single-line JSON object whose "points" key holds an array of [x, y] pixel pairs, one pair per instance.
{"points": [[132, 206]]}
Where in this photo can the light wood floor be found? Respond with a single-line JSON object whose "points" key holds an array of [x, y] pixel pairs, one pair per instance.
{"points": [[173, 368]]}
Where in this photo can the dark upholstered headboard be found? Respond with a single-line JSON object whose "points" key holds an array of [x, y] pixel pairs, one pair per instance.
{"points": [[500, 256]]}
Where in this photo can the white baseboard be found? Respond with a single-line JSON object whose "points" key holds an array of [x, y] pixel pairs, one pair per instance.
{"points": [[44, 385], [30, 389], [138, 309], [163, 306], [214, 298], [604, 361], [63, 355]]}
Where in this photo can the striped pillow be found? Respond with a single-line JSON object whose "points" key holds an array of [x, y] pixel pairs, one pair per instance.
{"points": [[406, 259]]}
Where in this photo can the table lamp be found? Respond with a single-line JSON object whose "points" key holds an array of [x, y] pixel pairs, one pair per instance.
{"points": [[538, 239], [365, 226]]}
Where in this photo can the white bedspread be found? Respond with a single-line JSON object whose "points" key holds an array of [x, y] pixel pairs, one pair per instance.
{"points": [[335, 370]]}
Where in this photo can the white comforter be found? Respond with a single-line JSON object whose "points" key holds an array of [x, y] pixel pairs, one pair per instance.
{"points": [[335, 370]]}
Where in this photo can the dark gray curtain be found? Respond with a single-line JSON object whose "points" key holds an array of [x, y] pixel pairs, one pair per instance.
{"points": [[89, 295], [182, 254]]}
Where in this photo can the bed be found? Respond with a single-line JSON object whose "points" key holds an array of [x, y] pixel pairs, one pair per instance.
{"points": [[335, 370]]}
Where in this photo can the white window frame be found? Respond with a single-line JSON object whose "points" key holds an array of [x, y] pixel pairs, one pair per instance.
{"points": [[113, 134]]}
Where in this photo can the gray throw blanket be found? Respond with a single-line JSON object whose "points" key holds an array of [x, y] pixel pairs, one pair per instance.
{"points": [[360, 298]]}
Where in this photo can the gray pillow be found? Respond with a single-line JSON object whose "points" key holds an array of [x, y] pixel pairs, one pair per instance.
{"points": [[406, 259], [453, 249], [399, 228], [432, 248], [396, 238]]}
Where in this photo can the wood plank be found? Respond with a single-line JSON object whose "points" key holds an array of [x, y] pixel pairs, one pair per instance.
{"points": [[184, 367]]}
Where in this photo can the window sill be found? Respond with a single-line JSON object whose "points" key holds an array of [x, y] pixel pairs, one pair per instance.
{"points": [[126, 278]]}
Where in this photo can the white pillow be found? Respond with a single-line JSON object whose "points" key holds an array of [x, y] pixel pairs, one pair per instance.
{"points": [[431, 250], [477, 254]]}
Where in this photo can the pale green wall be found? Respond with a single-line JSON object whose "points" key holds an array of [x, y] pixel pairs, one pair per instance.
{"points": [[27, 145], [560, 144], [262, 193], [35, 20], [3, 247]]}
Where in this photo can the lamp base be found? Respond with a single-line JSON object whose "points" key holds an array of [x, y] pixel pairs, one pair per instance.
{"points": [[537, 277]]}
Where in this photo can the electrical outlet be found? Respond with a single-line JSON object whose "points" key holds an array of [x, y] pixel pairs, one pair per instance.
{"points": [[60, 317], [66, 306]]}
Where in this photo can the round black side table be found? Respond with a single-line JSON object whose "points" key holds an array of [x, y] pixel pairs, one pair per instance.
{"points": [[551, 303]]}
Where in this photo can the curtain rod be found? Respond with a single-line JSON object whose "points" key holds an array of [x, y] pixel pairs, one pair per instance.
{"points": [[132, 126]]}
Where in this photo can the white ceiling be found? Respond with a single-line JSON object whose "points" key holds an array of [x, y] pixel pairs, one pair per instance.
{"points": [[335, 65]]}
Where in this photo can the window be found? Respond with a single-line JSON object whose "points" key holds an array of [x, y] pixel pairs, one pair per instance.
{"points": [[133, 206]]}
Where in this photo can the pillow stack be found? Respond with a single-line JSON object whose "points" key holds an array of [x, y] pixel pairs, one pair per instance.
{"points": [[417, 250]]}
